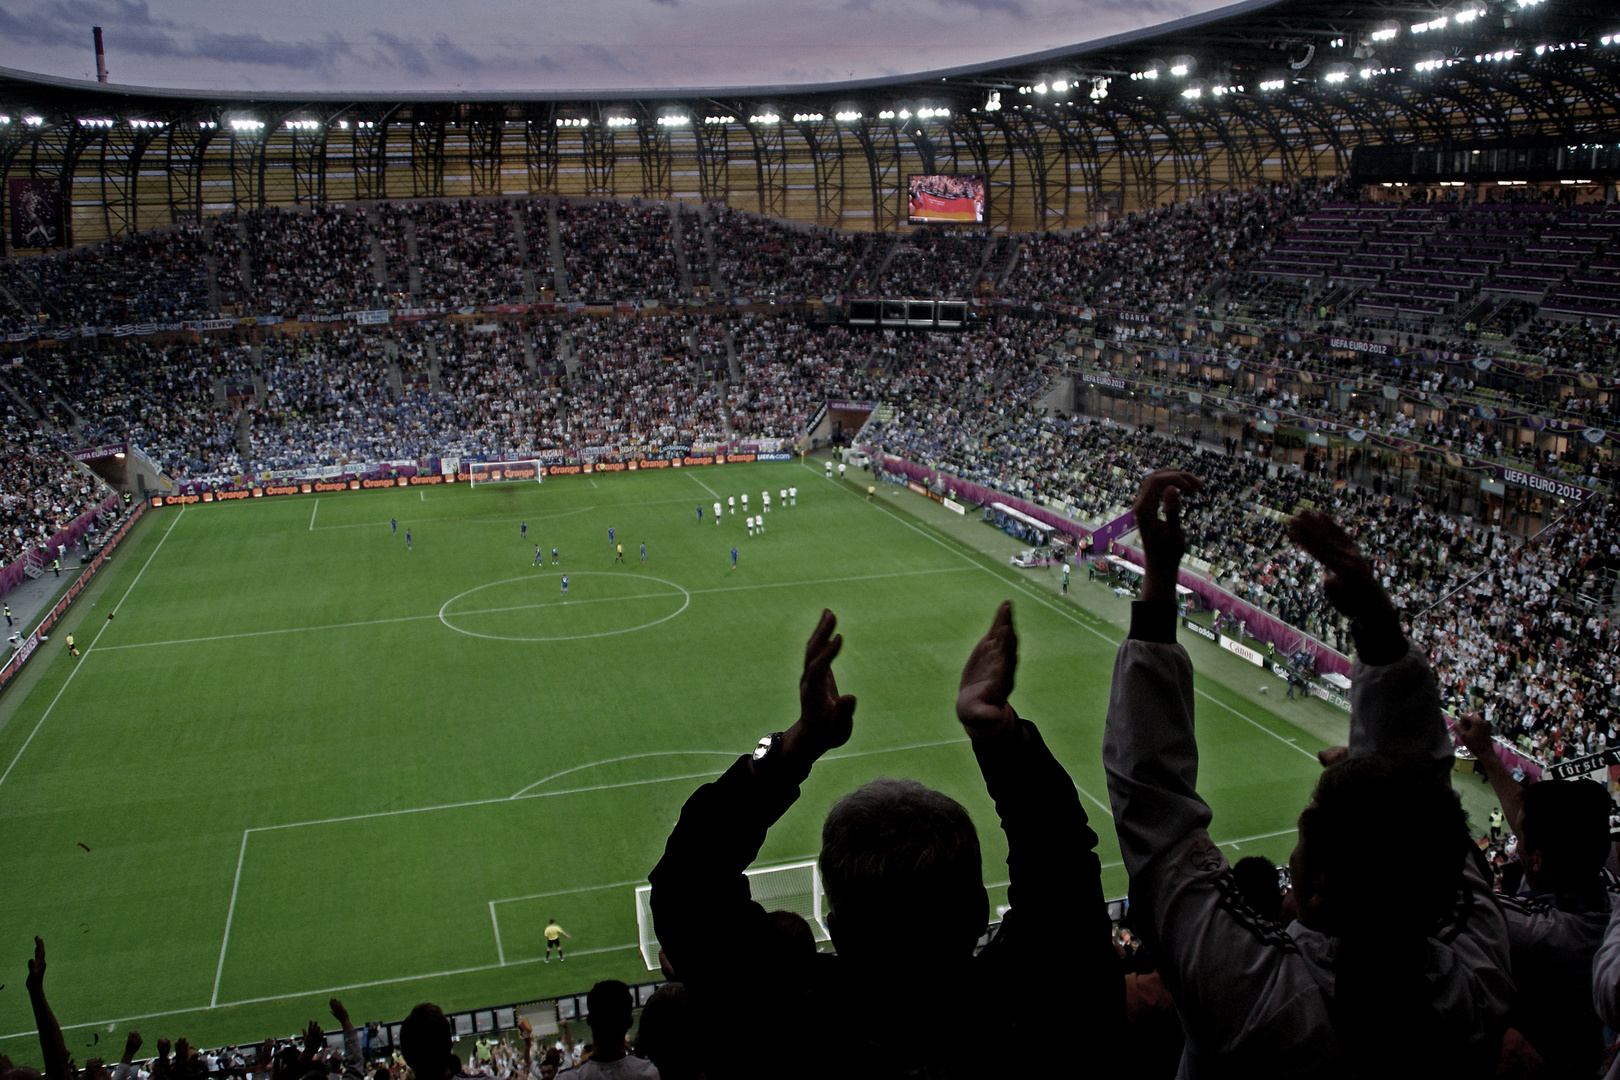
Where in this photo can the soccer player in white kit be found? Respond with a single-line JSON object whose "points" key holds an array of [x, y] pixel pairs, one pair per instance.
{"points": [[717, 511], [783, 497], [731, 500], [745, 503], [829, 468], [750, 526], [765, 498], [793, 495]]}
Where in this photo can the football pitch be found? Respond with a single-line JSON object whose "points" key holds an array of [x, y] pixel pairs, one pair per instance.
{"points": [[305, 760]]}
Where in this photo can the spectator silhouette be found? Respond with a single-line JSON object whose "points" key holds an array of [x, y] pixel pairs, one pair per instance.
{"points": [[902, 870], [1360, 981]]}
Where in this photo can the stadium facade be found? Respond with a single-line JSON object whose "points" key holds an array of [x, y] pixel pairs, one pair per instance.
{"points": [[1258, 91]]}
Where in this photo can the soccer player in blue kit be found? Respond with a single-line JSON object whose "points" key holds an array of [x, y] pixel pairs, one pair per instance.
{"points": [[407, 539], [393, 526], [610, 536], [565, 585], [734, 558], [523, 530], [537, 554]]}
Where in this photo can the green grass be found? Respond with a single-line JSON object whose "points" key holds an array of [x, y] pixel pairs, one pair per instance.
{"points": [[301, 717]]}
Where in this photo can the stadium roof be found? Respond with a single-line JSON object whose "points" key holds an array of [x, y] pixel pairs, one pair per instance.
{"points": [[1256, 91], [1250, 38]]}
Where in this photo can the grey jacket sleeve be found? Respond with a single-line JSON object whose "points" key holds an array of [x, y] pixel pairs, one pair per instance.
{"points": [[1149, 751], [1395, 710], [1606, 973], [1237, 980], [353, 1060]]}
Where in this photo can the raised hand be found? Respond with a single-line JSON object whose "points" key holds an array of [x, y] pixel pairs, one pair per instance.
{"points": [[1475, 732], [314, 1039], [163, 1047], [36, 965], [1348, 579], [340, 1013], [826, 718], [987, 679], [132, 1043], [1158, 523]]}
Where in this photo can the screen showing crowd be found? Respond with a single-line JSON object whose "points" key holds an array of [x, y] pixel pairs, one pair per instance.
{"points": [[938, 198]]}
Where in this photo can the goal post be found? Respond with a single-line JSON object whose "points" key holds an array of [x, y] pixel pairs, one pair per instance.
{"points": [[794, 887], [505, 472]]}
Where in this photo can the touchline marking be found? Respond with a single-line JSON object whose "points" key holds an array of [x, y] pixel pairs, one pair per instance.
{"points": [[500, 950], [91, 647], [1020, 586], [521, 607], [312, 510]]}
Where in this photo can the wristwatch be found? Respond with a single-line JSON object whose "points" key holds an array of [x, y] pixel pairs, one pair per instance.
{"points": [[768, 749]]}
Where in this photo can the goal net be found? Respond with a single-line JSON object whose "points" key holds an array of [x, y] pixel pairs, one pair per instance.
{"points": [[505, 472], [795, 887]]}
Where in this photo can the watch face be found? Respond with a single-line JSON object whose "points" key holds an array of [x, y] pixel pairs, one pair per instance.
{"points": [[762, 749]]}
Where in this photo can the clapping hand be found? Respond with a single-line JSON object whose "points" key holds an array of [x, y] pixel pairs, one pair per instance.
{"points": [[987, 679], [826, 718], [36, 965], [1348, 579]]}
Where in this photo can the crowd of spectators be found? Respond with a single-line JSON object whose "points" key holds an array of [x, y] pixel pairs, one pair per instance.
{"points": [[300, 261], [644, 384], [614, 251], [468, 254], [935, 262], [1159, 260], [42, 491], [759, 256]]}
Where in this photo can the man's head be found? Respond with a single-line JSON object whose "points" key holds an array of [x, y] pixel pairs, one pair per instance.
{"points": [[903, 873], [1257, 880], [610, 1008], [425, 1040], [1376, 827], [1566, 834]]}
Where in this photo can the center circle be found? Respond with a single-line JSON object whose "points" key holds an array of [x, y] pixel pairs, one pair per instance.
{"points": [[534, 602]]}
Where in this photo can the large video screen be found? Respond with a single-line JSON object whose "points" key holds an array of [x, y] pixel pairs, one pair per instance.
{"points": [[941, 199]]}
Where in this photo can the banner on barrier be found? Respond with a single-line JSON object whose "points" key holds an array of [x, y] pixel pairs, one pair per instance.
{"points": [[1198, 628], [1238, 648]]}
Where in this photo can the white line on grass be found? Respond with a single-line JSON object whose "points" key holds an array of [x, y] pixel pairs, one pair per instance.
{"points": [[1067, 615], [219, 969], [91, 647], [312, 510], [702, 485], [500, 950], [527, 793], [1219, 843], [522, 607]]}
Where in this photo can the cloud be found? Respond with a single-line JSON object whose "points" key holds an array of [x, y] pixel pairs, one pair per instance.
{"points": [[1016, 8], [132, 31]]}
